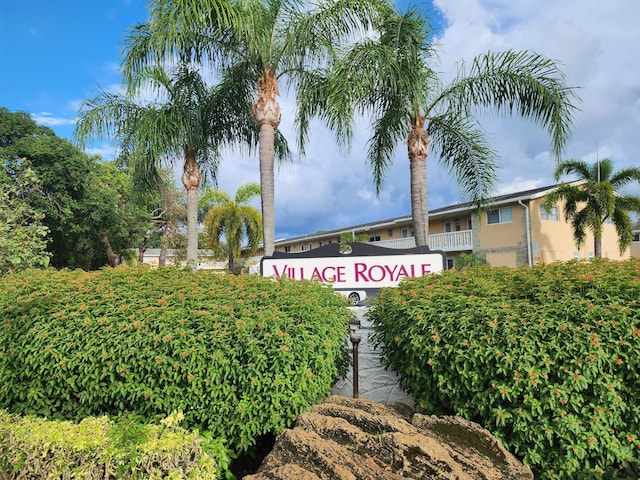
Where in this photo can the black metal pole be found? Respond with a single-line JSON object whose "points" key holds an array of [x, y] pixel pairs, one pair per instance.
{"points": [[355, 341]]}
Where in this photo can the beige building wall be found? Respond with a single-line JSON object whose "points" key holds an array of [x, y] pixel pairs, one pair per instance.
{"points": [[552, 240], [502, 244]]}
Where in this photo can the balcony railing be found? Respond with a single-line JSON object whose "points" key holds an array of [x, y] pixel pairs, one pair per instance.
{"points": [[452, 241], [447, 242]]}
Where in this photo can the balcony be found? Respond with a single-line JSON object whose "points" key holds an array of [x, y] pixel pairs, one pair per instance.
{"points": [[447, 242]]}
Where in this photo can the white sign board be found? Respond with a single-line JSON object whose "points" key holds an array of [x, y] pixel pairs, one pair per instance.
{"points": [[354, 271]]}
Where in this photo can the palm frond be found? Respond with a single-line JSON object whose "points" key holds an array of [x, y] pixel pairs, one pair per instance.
{"points": [[463, 149], [569, 167], [524, 83]]}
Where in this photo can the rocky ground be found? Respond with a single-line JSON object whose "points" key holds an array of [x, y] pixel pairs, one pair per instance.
{"points": [[343, 438]]}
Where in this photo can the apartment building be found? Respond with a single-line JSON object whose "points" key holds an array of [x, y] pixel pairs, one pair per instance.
{"points": [[512, 230]]}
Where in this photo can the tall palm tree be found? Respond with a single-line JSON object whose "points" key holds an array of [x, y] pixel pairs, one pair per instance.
{"points": [[390, 76], [262, 44], [233, 218], [597, 196], [187, 120]]}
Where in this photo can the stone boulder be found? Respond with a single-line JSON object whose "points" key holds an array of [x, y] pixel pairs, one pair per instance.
{"points": [[355, 439]]}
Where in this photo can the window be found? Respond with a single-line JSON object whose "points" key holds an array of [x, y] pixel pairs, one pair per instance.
{"points": [[501, 215], [469, 223], [636, 237], [447, 227], [310, 245], [457, 222], [374, 237], [404, 233], [551, 215], [287, 249], [450, 263], [302, 247], [390, 232]]}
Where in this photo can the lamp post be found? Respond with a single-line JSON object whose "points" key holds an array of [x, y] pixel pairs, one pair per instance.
{"points": [[354, 325]]}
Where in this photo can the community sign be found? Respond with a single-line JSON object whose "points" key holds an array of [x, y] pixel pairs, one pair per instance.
{"points": [[357, 273]]}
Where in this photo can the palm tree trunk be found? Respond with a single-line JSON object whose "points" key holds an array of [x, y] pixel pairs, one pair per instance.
{"points": [[417, 144], [266, 111], [231, 265], [597, 246], [191, 177]]}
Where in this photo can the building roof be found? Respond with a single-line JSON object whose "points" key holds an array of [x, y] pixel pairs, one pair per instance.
{"points": [[436, 212]]}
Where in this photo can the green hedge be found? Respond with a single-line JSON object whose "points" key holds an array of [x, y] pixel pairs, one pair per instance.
{"points": [[99, 448], [547, 358], [240, 356]]}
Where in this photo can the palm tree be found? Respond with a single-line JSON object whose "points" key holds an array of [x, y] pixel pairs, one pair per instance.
{"points": [[390, 76], [596, 193], [262, 43], [188, 120], [233, 218]]}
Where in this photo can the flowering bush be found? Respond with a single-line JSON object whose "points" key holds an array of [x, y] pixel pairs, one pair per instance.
{"points": [[100, 448], [240, 356], [547, 358]]}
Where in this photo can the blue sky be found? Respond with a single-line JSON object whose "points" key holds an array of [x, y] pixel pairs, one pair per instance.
{"points": [[57, 54]]}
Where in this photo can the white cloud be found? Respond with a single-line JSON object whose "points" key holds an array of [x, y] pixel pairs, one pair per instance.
{"points": [[48, 119], [595, 46]]}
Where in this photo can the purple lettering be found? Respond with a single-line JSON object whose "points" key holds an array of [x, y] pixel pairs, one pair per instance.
{"points": [[381, 274], [316, 274], [340, 274], [426, 268], [391, 271], [328, 277], [279, 274], [361, 268], [402, 272]]}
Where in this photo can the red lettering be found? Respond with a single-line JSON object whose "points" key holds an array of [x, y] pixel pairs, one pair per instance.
{"points": [[371, 273], [340, 274], [402, 272], [360, 272], [391, 271], [279, 274], [316, 274], [426, 268], [327, 278]]}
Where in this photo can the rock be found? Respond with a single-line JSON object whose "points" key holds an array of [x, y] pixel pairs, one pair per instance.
{"points": [[355, 439]]}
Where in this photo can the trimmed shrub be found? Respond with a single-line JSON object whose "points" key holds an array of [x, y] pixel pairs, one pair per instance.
{"points": [[99, 448], [240, 356], [547, 358]]}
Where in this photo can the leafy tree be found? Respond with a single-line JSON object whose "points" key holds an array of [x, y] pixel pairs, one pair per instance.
{"points": [[118, 220], [167, 214], [23, 236], [189, 120], [391, 76], [261, 44], [87, 206], [597, 196], [62, 170], [347, 238], [468, 260], [233, 218]]}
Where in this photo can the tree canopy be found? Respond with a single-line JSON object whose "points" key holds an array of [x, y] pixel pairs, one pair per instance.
{"points": [[234, 219], [595, 199], [81, 200]]}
